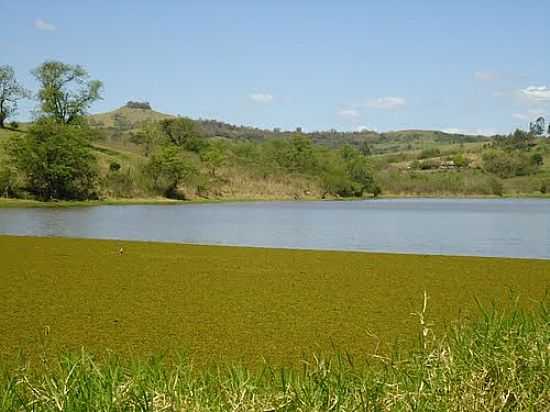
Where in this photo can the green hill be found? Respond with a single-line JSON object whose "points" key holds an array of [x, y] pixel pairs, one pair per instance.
{"points": [[253, 163], [126, 117], [120, 123]]}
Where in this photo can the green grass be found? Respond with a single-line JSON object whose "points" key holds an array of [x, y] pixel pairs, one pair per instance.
{"points": [[237, 304], [500, 362], [132, 117]]}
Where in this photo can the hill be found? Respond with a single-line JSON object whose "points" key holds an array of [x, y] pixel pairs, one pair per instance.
{"points": [[241, 162], [119, 124], [126, 117]]}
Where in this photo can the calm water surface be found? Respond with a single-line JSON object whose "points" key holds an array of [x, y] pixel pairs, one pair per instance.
{"points": [[515, 228]]}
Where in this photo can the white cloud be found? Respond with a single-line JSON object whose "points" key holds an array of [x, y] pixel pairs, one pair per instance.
{"points": [[387, 103], [361, 128], [537, 93], [484, 76], [471, 132], [349, 113], [261, 97], [43, 25]]}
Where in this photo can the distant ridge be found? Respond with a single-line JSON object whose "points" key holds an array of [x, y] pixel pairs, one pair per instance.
{"points": [[133, 114]]}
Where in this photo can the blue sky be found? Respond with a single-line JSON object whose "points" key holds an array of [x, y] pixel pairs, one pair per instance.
{"points": [[474, 66]]}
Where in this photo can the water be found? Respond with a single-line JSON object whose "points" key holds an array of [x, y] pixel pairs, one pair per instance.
{"points": [[514, 228]]}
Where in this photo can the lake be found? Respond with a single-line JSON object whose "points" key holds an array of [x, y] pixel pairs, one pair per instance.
{"points": [[512, 228]]}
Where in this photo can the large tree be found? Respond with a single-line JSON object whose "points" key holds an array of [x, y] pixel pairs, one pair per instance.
{"points": [[55, 160], [183, 132], [65, 92], [10, 93]]}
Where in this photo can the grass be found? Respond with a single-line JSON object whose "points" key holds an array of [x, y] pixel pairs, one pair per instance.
{"points": [[501, 362], [18, 203], [237, 304]]}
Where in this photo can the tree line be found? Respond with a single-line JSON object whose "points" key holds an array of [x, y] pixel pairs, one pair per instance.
{"points": [[54, 158]]}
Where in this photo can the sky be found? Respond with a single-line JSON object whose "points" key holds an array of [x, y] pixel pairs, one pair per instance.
{"points": [[468, 66]]}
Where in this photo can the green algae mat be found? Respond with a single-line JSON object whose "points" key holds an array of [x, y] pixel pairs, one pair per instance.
{"points": [[236, 303]]}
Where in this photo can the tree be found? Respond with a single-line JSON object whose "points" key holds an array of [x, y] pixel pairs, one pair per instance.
{"points": [[365, 149], [169, 167], [537, 127], [537, 159], [65, 92], [10, 93], [296, 154], [358, 171], [507, 164], [214, 156], [183, 133], [55, 161], [519, 140], [150, 135]]}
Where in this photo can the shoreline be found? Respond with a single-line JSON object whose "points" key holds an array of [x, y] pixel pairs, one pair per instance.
{"points": [[171, 243], [28, 203]]}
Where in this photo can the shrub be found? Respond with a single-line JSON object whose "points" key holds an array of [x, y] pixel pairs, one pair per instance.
{"points": [[120, 185], [496, 186], [428, 153], [8, 182], [169, 167], [545, 187], [507, 164], [430, 164], [460, 160], [114, 166], [56, 161], [537, 159]]}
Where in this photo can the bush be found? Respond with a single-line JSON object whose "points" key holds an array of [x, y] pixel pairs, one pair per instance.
{"points": [[114, 167], [507, 164], [139, 105], [415, 164], [14, 125], [430, 164], [545, 187], [169, 167], [537, 159], [460, 160], [120, 185], [496, 186], [428, 153], [55, 161], [8, 182]]}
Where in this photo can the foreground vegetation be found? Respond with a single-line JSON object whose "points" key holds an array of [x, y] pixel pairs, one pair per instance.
{"points": [[499, 362]]}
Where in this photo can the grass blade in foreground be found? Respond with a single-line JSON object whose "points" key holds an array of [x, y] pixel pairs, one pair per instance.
{"points": [[499, 363]]}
